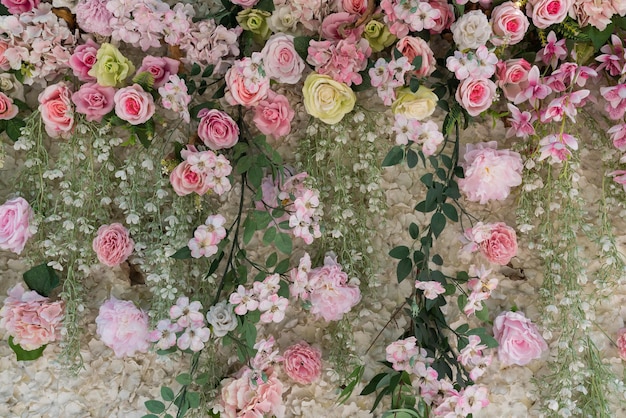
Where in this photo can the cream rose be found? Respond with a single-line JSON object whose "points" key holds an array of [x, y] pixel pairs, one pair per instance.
{"points": [[327, 99], [418, 105], [471, 30]]}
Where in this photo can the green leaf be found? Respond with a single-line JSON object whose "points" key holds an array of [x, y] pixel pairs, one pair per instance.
{"points": [[427, 179], [208, 71], [25, 355], [411, 158], [150, 416], [397, 54], [269, 235], [194, 399], [182, 254], [42, 279], [462, 329], [414, 84], [266, 5], [462, 301], [394, 156], [450, 212], [184, 379], [271, 260], [155, 406], [399, 252], [483, 314], [417, 63], [404, 269], [244, 164], [202, 379], [255, 176], [195, 69], [13, 128], [167, 394], [282, 267], [414, 230], [283, 243], [220, 92], [437, 259], [372, 385], [248, 230], [301, 45], [437, 223]]}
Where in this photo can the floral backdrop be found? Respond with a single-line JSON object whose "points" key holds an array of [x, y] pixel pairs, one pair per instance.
{"points": [[252, 208]]}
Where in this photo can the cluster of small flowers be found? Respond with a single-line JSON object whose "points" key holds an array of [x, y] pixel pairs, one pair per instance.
{"points": [[200, 172], [427, 134], [477, 64], [207, 237], [174, 97], [208, 44], [388, 76], [613, 59], [324, 289], [404, 16], [589, 12], [36, 43], [342, 59], [264, 297], [473, 359], [480, 288]]}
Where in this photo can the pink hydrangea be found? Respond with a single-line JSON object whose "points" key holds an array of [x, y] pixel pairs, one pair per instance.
{"points": [[342, 60], [113, 244], [31, 319], [302, 363], [16, 217], [247, 396], [489, 173], [123, 327], [92, 16], [519, 340]]}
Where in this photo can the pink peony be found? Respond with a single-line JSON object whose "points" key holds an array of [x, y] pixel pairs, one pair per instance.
{"points": [[489, 173], [217, 129], [92, 16], [476, 95], [94, 101], [281, 62], [519, 339], [247, 397], [303, 363], [621, 343], [31, 319], [497, 242], [17, 7], [134, 105], [512, 76], [16, 216], [113, 244], [83, 58], [55, 105], [548, 12], [509, 24], [160, 67], [273, 115], [123, 327], [412, 47], [7, 109]]}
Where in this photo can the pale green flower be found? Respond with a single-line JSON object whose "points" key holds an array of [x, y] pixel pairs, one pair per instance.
{"points": [[111, 67]]}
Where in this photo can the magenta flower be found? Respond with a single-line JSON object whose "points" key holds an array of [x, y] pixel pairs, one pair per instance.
{"points": [[613, 57], [521, 122], [619, 176], [557, 147], [553, 51], [618, 136], [535, 89]]}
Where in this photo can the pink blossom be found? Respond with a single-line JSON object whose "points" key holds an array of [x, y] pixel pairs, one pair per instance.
{"points": [[281, 62], [302, 363], [165, 334], [273, 115], [553, 51], [187, 313], [489, 173], [92, 16], [31, 319], [472, 399], [206, 237], [247, 397], [56, 110], [83, 58], [123, 327], [357, 7], [133, 104], [160, 67], [613, 58], [446, 15], [594, 13], [621, 343], [273, 308], [185, 180], [194, 337], [244, 300], [337, 26], [431, 289], [521, 122], [509, 24], [519, 340], [557, 147], [217, 129], [246, 4], [174, 96], [94, 101], [17, 7], [618, 136], [616, 100], [266, 356], [113, 244], [342, 60], [476, 95], [412, 47], [619, 176], [8, 110], [535, 90]]}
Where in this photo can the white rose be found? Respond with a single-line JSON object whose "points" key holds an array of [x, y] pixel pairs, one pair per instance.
{"points": [[11, 86], [471, 30], [221, 318], [282, 20]]}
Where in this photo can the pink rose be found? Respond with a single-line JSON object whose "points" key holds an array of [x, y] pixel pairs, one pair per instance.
{"points": [[160, 67], [83, 58], [548, 12], [246, 4], [186, 179], [217, 130], [55, 106], [355, 7], [5, 65], [113, 244], [31, 319], [446, 17], [94, 101], [476, 94], [337, 26], [243, 86], [621, 343], [412, 47], [16, 216], [7, 109], [519, 339], [123, 327], [512, 76], [133, 104], [92, 16], [281, 62], [16, 7], [303, 363], [499, 243], [273, 115], [509, 24]]}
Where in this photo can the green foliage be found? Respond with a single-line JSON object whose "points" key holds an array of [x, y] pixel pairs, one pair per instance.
{"points": [[25, 355], [182, 254], [42, 279]]}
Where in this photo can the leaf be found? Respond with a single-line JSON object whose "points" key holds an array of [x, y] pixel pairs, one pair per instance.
{"points": [[450, 212], [483, 314], [182, 254], [283, 243], [208, 71], [437, 223], [301, 45], [195, 69], [394, 156], [248, 230], [13, 128], [266, 5], [269, 235], [414, 84], [427, 179], [399, 252], [167, 394], [194, 399], [255, 176], [282, 267], [25, 355], [372, 385], [417, 63], [414, 230], [404, 269], [462, 301], [42, 279], [155, 406], [220, 92], [353, 380], [411, 158], [271, 260], [184, 379], [437, 259], [244, 164]]}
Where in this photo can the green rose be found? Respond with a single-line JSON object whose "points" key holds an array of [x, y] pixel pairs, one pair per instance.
{"points": [[418, 105], [327, 99], [111, 67], [255, 21], [378, 35]]}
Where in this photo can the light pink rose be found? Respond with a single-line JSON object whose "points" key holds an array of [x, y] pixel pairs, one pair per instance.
{"points": [[16, 7], [31, 319], [185, 179], [476, 94], [412, 47], [94, 101], [16, 216], [5, 65], [273, 115], [498, 243], [55, 106], [281, 62], [133, 104], [303, 363], [8, 110], [548, 12], [113, 244], [355, 7], [338, 26], [246, 4], [83, 58], [512, 76], [509, 24], [519, 339], [242, 88], [123, 327], [92, 16], [217, 129], [446, 18], [160, 67], [621, 343]]}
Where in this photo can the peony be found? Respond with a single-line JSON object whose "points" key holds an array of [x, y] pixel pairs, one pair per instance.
{"points": [[418, 105], [281, 61], [31, 319], [519, 339], [302, 363], [489, 173], [94, 101], [497, 242], [221, 318], [123, 327], [244, 397], [621, 343], [111, 67], [327, 99], [273, 115], [476, 94], [92, 16], [83, 59], [412, 47], [548, 12], [160, 67], [17, 7], [8, 110], [509, 24], [16, 216], [56, 110], [113, 244], [217, 129], [133, 104], [471, 30]]}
